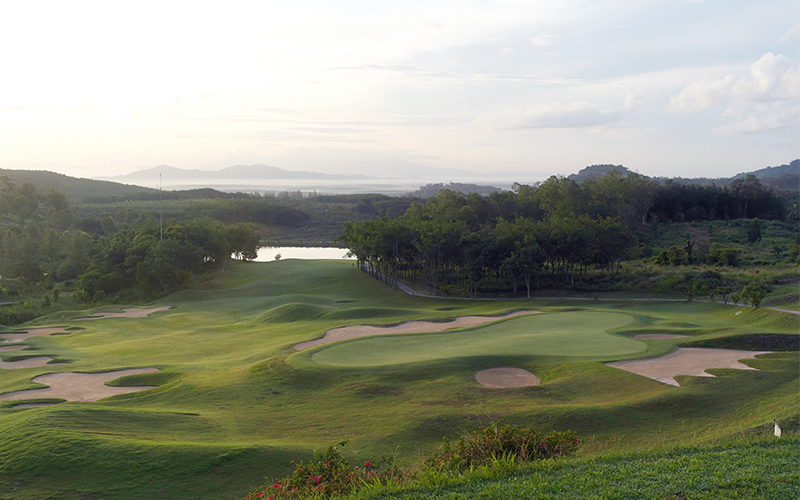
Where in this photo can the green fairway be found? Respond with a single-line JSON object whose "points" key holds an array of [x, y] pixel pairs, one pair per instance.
{"points": [[567, 334], [235, 402]]}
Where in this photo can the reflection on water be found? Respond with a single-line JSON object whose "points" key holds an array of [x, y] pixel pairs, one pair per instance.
{"points": [[267, 254]]}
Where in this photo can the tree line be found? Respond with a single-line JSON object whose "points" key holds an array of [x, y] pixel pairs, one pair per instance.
{"points": [[552, 231], [46, 251]]}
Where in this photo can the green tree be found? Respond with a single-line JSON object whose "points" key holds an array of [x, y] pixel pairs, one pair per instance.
{"points": [[754, 231], [754, 293]]}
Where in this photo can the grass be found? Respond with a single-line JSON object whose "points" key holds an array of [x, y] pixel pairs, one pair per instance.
{"points": [[748, 469], [235, 402], [569, 334]]}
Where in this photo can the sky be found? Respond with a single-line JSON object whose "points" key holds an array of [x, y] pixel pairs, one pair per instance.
{"points": [[519, 89]]}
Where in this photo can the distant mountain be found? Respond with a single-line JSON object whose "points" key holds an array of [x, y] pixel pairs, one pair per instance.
{"points": [[792, 168], [594, 171], [172, 175], [76, 189]]}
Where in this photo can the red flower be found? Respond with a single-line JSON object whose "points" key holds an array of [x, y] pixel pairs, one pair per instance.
{"points": [[367, 464]]}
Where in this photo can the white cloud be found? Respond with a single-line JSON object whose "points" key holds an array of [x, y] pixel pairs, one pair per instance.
{"points": [[542, 40], [792, 35], [765, 99], [767, 118], [579, 114], [772, 78]]}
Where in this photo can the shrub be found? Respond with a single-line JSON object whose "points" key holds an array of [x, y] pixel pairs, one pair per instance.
{"points": [[329, 474], [492, 444]]}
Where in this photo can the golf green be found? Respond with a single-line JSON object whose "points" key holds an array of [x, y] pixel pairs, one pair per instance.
{"points": [[567, 334]]}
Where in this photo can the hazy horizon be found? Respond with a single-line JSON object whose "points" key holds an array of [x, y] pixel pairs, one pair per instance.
{"points": [[510, 88]]}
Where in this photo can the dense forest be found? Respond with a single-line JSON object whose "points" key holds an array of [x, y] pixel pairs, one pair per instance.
{"points": [[552, 234], [48, 255]]}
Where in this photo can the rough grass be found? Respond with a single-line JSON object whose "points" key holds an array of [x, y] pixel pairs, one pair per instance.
{"points": [[750, 469], [236, 403]]}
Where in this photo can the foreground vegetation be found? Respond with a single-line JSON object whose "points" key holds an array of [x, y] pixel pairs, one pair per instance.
{"points": [[235, 402], [744, 469]]}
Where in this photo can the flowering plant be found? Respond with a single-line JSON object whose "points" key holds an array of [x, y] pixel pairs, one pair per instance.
{"points": [[329, 474]]}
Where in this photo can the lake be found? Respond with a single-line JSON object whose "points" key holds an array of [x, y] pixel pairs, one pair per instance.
{"points": [[267, 254]]}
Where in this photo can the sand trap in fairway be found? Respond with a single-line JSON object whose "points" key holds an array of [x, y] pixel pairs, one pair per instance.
{"points": [[128, 313], [352, 332], [687, 361], [79, 386], [27, 363], [13, 348], [659, 336], [33, 332], [504, 378]]}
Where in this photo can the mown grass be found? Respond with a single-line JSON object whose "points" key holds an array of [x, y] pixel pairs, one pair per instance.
{"points": [[749, 469], [235, 402]]}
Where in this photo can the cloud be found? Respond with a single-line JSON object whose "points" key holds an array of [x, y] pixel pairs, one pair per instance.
{"points": [[792, 35], [553, 115], [542, 40], [772, 78], [765, 99], [772, 118]]}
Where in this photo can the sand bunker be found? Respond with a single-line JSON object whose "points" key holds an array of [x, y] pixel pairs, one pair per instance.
{"points": [[504, 378], [33, 332], [687, 361], [13, 348], [659, 336], [128, 313], [36, 362], [78, 386], [351, 332]]}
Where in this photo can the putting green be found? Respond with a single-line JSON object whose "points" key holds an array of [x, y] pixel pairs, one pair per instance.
{"points": [[569, 334]]}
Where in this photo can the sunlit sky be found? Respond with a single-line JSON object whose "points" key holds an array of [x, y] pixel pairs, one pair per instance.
{"points": [[523, 88]]}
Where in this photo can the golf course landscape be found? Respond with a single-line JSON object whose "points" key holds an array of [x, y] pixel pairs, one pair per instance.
{"points": [[224, 394]]}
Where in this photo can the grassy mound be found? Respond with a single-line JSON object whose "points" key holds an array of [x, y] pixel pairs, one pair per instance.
{"points": [[289, 313]]}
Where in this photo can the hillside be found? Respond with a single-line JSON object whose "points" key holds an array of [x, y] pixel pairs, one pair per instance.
{"points": [[784, 177], [75, 188]]}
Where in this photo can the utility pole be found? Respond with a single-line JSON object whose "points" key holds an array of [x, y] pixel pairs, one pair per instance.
{"points": [[160, 210]]}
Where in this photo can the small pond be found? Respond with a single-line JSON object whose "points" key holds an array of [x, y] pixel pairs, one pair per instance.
{"points": [[267, 254]]}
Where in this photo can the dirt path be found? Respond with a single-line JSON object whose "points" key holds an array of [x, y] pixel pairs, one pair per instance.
{"points": [[410, 291], [351, 332], [687, 361]]}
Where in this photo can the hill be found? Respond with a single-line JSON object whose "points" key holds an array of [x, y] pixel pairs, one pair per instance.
{"points": [[236, 172], [75, 188], [594, 171], [784, 177]]}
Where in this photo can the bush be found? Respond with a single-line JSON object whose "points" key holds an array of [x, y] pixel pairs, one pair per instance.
{"points": [[491, 444], [329, 474]]}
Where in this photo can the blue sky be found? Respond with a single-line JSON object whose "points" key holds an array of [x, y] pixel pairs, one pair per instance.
{"points": [[518, 89]]}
